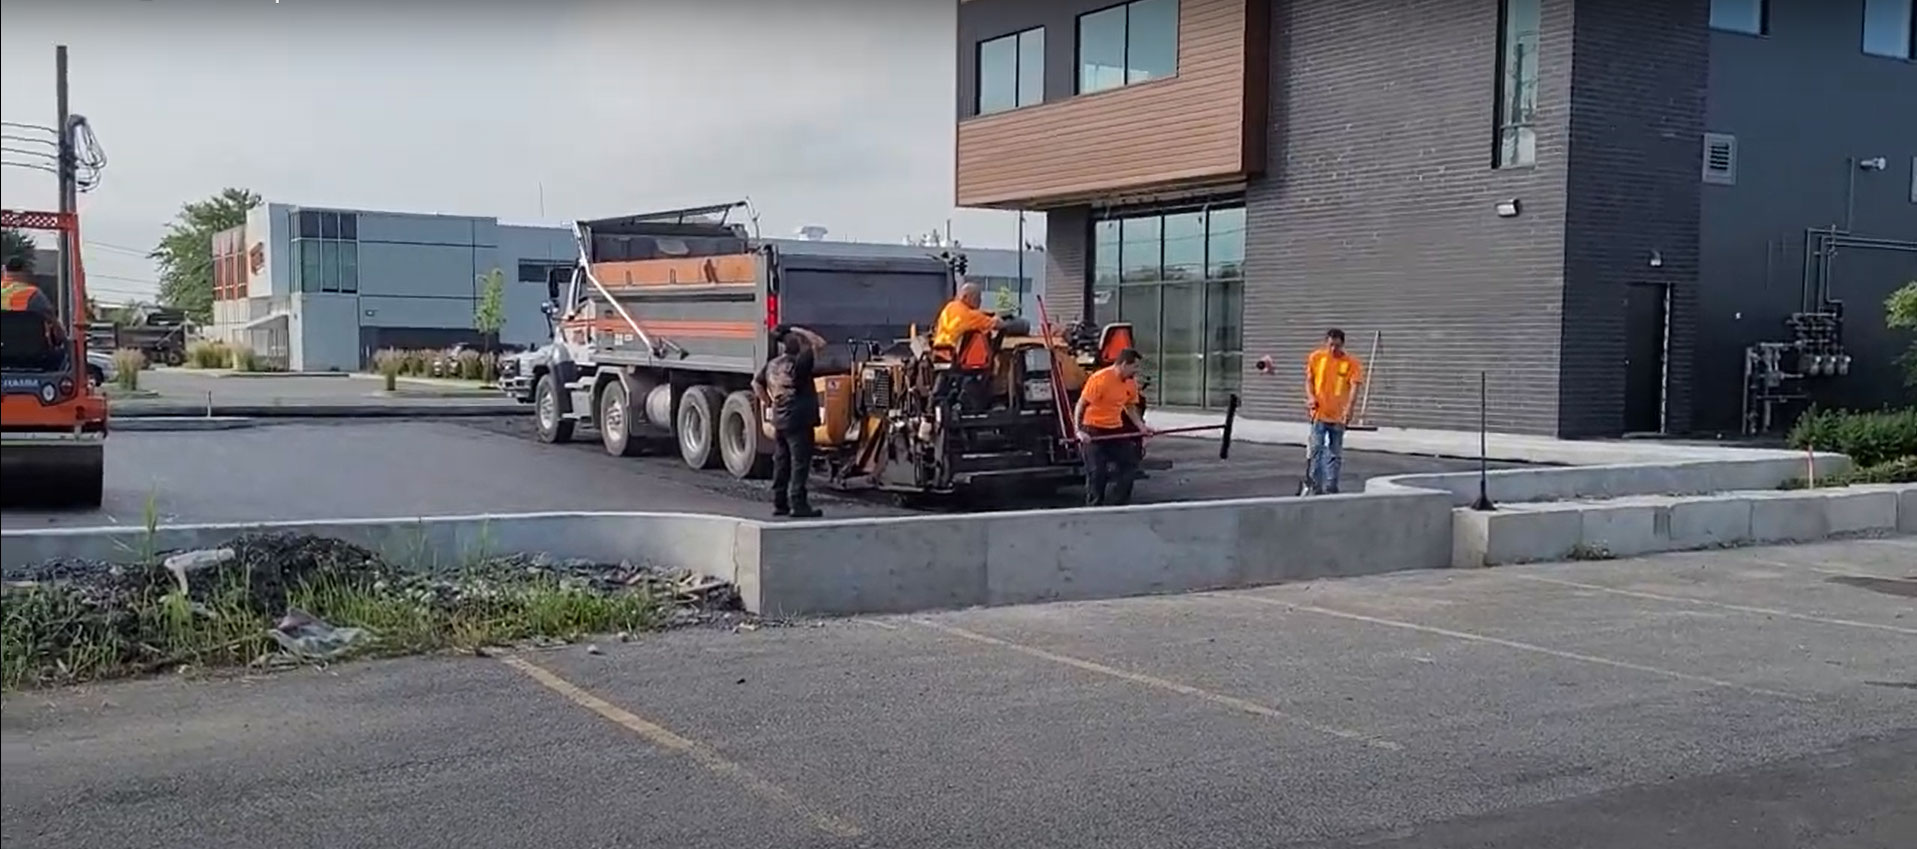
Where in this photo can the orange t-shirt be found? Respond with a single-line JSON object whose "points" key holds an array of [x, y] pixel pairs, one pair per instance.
{"points": [[1106, 395], [1332, 381], [956, 320]]}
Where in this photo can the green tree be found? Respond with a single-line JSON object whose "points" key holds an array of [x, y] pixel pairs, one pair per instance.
{"points": [[489, 314], [18, 244], [1003, 301], [185, 254], [1900, 311]]}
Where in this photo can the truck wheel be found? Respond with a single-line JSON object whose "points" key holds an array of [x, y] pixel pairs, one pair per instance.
{"points": [[615, 420], [551, 426], [740, 438], [697, 426]]}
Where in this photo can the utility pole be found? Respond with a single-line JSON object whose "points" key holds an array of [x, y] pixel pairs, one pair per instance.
{"points": [[69, 184]]}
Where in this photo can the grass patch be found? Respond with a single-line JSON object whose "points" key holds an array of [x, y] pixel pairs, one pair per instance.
{"points": [[205, 353], [1900, 470], [270, 599], [127, 365]]}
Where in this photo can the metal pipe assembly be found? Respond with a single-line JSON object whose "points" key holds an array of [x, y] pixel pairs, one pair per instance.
{"points": [[1224, 443]]}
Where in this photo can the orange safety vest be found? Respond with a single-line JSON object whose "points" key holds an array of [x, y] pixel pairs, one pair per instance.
{"points": [[20, 295]]}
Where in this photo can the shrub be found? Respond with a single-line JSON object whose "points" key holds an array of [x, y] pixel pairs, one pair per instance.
{"points": [[208, 353], [470, 365], [1900, 313], [390, 363], [127, 364], [244, 359], [1869, 439]]}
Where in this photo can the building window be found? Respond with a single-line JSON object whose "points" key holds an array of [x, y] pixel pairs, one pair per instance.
{"points": [[1133, 43], [1177, 277], [326, 251], [1517, 83], [540, 272], [1011, 71], [1890, 28], [1751, 17]]}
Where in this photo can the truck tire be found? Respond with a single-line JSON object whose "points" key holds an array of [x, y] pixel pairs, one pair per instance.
{"points": [[615, 420], [697, 426], [741, 441], [550, 426]]}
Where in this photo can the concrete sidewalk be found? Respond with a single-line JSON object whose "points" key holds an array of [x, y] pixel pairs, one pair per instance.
{"points": [[1511, 447], [1758, 699]]}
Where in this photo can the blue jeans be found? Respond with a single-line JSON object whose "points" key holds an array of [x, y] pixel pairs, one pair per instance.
{"points": [[1327, 456]]}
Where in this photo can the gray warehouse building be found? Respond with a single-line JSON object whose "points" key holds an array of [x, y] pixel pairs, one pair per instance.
{"points": [[1604, 206], [322, 289]]}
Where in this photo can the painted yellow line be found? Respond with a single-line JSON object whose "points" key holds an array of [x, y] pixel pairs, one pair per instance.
{"points": [[1232, 702], [1514, 644], [700, 753], [1742, 608]]}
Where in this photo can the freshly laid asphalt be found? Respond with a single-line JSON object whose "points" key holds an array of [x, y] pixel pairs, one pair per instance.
{"points": [[289, 469], [1741, 699]]}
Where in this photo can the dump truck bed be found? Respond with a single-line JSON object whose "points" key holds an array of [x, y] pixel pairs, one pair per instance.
{"points": [[715, 312]]}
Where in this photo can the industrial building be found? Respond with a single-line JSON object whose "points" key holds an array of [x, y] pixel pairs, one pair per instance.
{"points": [[1600, 206], [322, 289]]}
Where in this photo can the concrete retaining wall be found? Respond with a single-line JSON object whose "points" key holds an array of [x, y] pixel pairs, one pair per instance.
{"points": [[917, 563], [904, 564], [1696, 477], [893, 564], [1632, 526]]}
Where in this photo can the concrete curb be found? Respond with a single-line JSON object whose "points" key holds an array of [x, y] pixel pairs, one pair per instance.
{"points": [[1502, 447], [180, 424], [353, 410], [1640, 525], [912, 563], [1567, 483]]}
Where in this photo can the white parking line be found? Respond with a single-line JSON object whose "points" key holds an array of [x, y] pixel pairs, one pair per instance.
{"points": [[1232, 702], [1743, 608], [1806, 567], [1893, 543], [1520, 646]]}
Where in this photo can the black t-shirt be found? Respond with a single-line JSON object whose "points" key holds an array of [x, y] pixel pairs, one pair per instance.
{"points": [[788, 382]]}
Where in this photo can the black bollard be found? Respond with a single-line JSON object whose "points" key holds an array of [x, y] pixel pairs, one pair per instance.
{"points": [[1484, 461]]}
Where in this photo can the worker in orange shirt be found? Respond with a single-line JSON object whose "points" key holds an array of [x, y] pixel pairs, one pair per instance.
{"points": [[1332, 377], [1108, 406], [962, 315]]}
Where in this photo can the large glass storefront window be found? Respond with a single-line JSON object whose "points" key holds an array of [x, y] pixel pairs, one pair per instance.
{"points": [[1178, 277]]}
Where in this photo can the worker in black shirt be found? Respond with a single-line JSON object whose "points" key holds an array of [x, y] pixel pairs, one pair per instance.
{"points": [[784, 387]]}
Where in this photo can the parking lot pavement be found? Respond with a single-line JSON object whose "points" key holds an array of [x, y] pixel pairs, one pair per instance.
{"points": [[373, 468], [1726, 700]]}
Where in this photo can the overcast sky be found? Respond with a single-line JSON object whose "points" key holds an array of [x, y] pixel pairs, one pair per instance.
{"points": [[831, 112]]}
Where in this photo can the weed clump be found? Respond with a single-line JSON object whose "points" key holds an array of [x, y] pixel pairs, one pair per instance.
{"points": [[270, 598]]}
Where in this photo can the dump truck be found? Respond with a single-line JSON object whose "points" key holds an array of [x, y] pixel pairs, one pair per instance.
{"points": [[53, 421], [660, 326]]}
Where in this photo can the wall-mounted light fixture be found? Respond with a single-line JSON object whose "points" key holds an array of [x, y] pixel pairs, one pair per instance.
{"points": [[1509, 208], [1657, 259]]}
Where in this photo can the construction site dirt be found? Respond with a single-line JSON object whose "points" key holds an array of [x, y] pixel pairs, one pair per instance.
{"points": [[312, 469]]}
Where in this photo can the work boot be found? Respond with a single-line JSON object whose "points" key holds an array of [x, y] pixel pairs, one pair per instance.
{"points": [[805, 511], [781, 508]]}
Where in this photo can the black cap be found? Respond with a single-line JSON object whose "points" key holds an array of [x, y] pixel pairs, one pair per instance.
{"points": [[1129, 355]]}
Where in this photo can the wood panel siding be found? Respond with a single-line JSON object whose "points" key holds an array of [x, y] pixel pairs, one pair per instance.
{"points": [[1198, 127]]}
